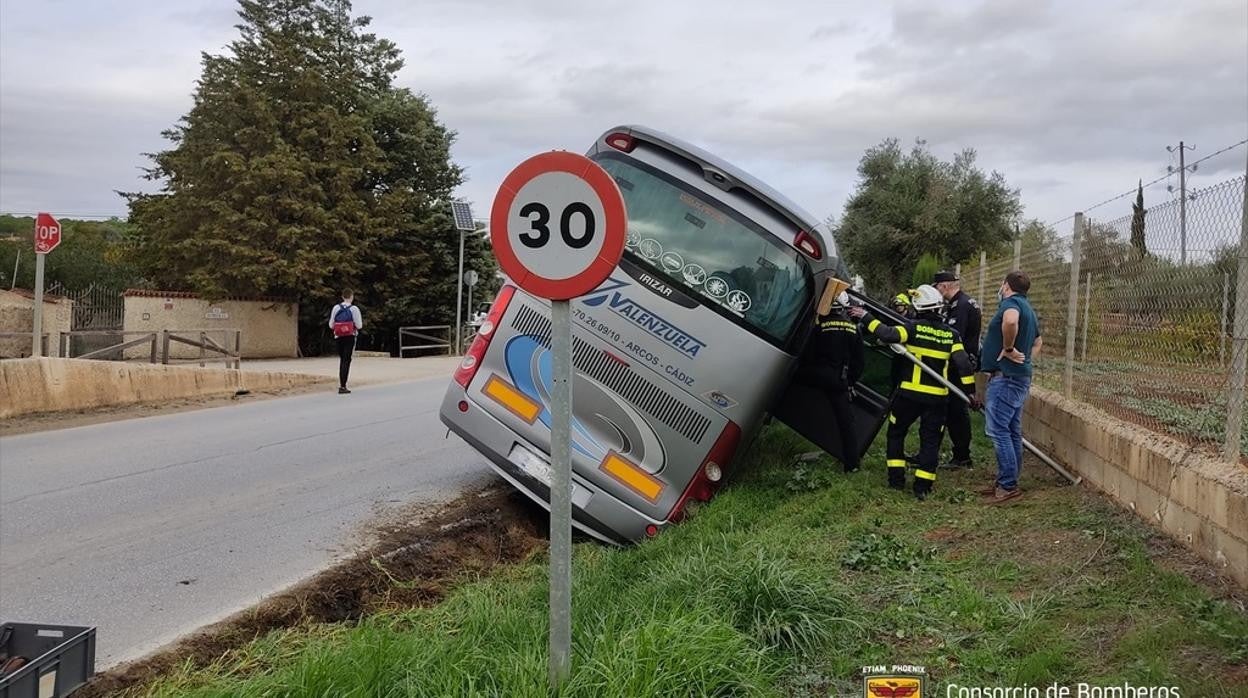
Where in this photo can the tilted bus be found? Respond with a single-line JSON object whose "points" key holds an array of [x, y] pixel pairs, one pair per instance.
{"points": [[680, 355]]}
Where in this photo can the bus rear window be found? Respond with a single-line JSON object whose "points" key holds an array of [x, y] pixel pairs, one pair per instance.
{"points": [[713, 252]]}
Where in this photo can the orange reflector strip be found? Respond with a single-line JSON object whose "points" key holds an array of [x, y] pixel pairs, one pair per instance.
{"points": [[635, 478], [515, 401]]}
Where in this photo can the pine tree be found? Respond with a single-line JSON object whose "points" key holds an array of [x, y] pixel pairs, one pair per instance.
{"points": [[300, 169], [1137, 222]]}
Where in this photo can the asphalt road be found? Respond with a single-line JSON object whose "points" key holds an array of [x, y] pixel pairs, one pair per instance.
{"points": [[150, 528]]}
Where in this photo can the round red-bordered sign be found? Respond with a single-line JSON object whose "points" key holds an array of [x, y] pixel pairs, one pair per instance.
{"points": [[558, 225]]}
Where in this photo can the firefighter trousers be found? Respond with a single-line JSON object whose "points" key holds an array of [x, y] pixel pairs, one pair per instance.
{"points": [[931, 418], [958, 420]]}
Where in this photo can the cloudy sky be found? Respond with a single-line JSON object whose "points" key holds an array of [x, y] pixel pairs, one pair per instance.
{"points": [[1072, 101]]}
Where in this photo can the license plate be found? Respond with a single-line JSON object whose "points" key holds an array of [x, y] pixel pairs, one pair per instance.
{"points": [[531, 463]]}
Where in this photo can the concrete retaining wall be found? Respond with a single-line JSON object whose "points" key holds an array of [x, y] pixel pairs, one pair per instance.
{"points": [[49, 385], [1197, 500]]}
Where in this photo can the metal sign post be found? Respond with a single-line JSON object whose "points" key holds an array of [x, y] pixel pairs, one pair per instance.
{"points": [[470, 279], [47, 237], [558, 225], [461, 211]]}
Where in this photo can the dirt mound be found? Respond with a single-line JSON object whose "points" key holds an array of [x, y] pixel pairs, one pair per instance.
{"points": [[411, 566]]}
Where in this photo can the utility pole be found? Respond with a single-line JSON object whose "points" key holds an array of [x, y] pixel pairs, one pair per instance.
{"points": [[1182, 198]]}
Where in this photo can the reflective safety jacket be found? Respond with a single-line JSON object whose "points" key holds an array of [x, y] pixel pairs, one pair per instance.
{"points": [[834, 357], [935, 344]]}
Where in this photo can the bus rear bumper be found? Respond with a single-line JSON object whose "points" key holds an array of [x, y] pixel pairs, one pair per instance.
{"points": [[594, 512]]}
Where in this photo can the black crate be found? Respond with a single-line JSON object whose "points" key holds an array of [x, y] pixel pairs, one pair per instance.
{"points": [[60, 659]]}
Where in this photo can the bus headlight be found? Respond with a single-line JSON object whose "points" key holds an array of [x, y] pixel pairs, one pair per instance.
{"points": [[713, 472]]}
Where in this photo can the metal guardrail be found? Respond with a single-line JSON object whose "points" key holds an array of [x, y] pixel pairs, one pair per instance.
{"points": [[426, 335]]}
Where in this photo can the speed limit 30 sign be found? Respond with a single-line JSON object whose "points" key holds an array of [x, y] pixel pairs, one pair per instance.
{"points": [[558, 225]]}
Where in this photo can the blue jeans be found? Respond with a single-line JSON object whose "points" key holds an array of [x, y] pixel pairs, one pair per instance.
{"points": [[1003, 423]]}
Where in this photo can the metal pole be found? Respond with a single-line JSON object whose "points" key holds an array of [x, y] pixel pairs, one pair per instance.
{"points": [[1239, 348], [560, 492], [1018, 252], [459, 298], [1182, 207], [1087, 311], [16, 260], [37, 340], [470, 313], [983, 263], [1072, 308], [1226, 313]]}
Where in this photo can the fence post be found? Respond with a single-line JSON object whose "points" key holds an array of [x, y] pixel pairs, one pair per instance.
{"points": [[201, 349], [238, 350], [1225, 319], [1072, 308], [153, 346], [1018, 253], [164, 357], [1239, 348], [983, 262], [1087, 312]]}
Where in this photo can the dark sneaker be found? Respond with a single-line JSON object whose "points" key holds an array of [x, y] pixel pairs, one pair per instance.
{"points": [[1001, 495], [344, 391]]}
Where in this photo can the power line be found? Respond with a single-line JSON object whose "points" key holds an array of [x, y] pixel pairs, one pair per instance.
{"points": [[1129, 192]]}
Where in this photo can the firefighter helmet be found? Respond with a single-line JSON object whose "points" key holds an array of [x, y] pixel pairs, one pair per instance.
{"points": [[927, 299]]}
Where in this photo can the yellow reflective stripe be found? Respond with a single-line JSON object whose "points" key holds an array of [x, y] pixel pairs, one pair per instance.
{"points": [[872, 325], [892, 418], [896, 463], [920, 388], [905, 336], [930, 353], [968, 380], [923, 474], [957, 348]]}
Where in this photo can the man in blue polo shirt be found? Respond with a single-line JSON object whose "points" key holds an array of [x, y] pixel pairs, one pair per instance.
{"points": [[1012, 341]]}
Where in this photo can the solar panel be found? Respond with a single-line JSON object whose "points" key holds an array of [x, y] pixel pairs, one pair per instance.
{"points": [[462, 211]]}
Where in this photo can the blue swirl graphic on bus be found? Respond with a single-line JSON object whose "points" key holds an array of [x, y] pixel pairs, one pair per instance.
{"points": [[646, 319], [530, 368]]}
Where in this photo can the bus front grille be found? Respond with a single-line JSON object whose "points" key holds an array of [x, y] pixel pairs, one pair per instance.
{"points": [[619, 377]]}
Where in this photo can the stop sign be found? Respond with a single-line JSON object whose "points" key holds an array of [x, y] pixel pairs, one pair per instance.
{"points": [[47, 233]]}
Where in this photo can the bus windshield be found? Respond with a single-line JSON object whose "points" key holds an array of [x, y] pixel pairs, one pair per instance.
{"points": [[728, 262]]}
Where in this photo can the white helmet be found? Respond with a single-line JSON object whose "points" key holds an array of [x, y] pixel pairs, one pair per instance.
{"points": [[841, 300], [927, 299]]}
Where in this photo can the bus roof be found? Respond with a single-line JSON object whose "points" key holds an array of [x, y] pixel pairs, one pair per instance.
{"points": [[738, 176]]}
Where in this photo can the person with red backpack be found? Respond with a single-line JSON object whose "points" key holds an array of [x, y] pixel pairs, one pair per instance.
{"points": [[345, 320]]}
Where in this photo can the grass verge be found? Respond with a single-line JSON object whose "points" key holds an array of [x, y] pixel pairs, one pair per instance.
{"points": [[794, 578]]}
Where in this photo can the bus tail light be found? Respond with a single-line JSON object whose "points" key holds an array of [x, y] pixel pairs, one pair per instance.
{"points": [[622, 142], [702, 487], [808, 244], [476, 353]]}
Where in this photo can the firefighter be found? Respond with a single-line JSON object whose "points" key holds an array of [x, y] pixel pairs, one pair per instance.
{"points": [[921, 397], [834, 364], [964, 316]]}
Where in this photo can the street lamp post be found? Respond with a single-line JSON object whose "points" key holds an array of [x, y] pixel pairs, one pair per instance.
{"points": [[461, 211]]}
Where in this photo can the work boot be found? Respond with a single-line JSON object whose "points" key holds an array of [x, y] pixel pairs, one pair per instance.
{"points": [[1001, 495], [897, 478], [922, 488]]}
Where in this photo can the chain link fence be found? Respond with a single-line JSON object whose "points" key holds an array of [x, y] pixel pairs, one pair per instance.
{"points": [[1138, 313]]}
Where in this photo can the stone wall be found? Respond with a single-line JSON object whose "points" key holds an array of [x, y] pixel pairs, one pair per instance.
{"points": [[51, 385], [17, 315], [1198, 500], [270, 327]]}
